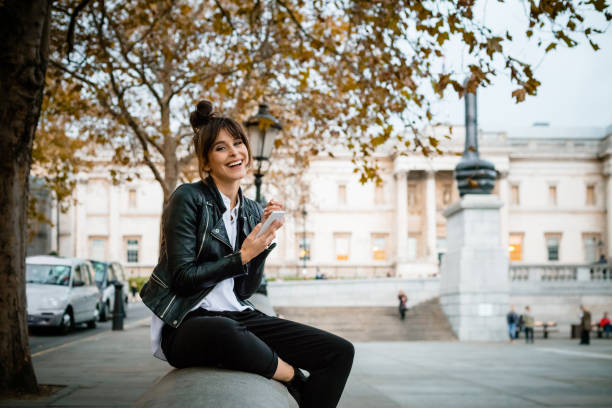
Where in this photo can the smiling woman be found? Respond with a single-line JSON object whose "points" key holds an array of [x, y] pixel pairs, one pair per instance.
{"points": [[212, 260]]}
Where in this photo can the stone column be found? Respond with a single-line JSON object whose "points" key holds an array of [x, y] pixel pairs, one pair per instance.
{"points": [[474, 282], [401, 219], [609, 216], [114, 234], [431, 216]]}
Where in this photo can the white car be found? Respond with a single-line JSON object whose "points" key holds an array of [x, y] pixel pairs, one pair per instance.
{"points": [[61, 292]]}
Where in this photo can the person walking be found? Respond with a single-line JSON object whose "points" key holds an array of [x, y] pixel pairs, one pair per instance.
{"points": [[585, 326], [211, 261], [403, 299], [528, 324], [512, 320]]}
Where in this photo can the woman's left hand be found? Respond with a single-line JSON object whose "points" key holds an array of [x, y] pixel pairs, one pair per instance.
{"points": [[272, 205]]}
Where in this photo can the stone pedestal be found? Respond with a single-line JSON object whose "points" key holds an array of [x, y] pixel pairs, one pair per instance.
{"points": [[474, 280]]}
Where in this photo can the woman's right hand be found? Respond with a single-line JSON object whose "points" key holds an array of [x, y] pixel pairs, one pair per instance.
{"points": [[254, 245]]}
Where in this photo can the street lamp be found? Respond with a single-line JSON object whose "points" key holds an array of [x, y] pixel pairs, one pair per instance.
{"points": [[304, 246], [263, 128]]}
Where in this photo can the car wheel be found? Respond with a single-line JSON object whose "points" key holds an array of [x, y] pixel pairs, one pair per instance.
{"points": [[105, 313], [67, 322], [91, 324]]}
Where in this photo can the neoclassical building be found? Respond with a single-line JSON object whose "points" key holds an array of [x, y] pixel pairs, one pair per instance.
{"points": [[554, 183]]}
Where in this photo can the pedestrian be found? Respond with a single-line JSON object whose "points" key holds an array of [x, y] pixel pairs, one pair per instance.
{"points": [[403, 299], [134, 289], [604, 324], [212, 260], [512, 320], [528, 323], [585, 326]]}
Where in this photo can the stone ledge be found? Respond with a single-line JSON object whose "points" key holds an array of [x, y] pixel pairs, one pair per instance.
{"points": [[215, 387]]}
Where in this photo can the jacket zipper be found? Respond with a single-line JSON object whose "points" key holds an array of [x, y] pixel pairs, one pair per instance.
{"points": [[167, 307], [204, 233], [159, 281]]}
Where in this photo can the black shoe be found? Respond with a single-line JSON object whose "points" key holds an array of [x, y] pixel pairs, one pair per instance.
{"points": [[296, 385]]}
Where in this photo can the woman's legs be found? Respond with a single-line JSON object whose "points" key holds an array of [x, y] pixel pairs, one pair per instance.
{"points": [[253, 342]]}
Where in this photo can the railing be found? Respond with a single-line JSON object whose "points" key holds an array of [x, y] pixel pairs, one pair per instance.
{"points": [[557, 273]]}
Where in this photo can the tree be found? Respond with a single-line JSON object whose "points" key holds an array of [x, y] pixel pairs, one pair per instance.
{"points": [[23, 62], [335, 72]]}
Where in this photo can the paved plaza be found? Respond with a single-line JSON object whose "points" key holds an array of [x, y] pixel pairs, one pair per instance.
{"points": [[116, 368]]}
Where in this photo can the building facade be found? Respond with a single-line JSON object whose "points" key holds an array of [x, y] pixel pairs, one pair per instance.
{"points": [[555, 185]]}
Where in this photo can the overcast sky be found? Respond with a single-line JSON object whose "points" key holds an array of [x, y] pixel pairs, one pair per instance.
{"points": [[576, 85]]}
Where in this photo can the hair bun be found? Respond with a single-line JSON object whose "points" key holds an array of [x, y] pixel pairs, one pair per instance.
{"points": [[201, 116]]}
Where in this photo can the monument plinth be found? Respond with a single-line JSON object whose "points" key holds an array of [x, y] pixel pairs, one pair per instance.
{"points": [[474, 273]]}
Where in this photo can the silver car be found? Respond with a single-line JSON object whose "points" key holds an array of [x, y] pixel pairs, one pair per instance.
{"points": [[61, 292]]}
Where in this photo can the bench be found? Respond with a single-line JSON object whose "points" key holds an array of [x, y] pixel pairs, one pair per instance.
{"points": [[544, 327], [216, 387]]}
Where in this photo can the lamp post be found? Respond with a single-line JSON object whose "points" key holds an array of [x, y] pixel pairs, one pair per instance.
{"points": [[304, 246], [263, 128]]}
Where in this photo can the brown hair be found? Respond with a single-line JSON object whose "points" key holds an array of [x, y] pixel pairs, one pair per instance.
{"points": [[206, 126]]}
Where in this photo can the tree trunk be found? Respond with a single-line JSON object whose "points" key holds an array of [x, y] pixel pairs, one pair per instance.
{"points": [[24, 29]]}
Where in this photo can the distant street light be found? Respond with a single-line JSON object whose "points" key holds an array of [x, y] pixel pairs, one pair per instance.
{"points": [[263, 128]]}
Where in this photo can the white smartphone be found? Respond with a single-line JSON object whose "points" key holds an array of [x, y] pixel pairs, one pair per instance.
{"points": [[275, 215]]}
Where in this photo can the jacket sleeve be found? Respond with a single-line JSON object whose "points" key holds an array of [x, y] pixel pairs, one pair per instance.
{"points": [[179, 228], [246, 285]]}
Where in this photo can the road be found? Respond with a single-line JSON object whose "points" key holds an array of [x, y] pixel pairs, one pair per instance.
{"points": [[41, 340]]}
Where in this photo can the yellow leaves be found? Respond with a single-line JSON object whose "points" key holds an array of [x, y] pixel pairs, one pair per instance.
{"points": [[519, 94], [551, 47]]}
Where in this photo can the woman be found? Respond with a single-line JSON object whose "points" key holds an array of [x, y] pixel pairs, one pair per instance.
{"points": [[211, 260]]}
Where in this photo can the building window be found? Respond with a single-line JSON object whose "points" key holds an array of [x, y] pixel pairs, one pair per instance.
{"points": [[515, 247], [446, 194], [132, 250], [379, 194], [412, 248], [342, 246], [97, 248], [552, 246], [132, 198], [590, 194], [379, 247], [342, 194], [552, 195], [514, 195], [592, 242], [304, 246], [412, 194]]}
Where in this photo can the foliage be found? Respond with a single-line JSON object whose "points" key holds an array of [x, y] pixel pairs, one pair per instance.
{"points": [[336, 72], [140, 281]]}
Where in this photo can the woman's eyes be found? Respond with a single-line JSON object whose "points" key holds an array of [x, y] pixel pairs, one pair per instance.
{"points": [[236, 143]]}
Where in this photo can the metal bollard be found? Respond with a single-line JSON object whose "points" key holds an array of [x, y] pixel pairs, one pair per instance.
{"points": [[118, 312]]}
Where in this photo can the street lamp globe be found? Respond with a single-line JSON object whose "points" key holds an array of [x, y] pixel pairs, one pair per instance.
{"points": [[263, 128]]}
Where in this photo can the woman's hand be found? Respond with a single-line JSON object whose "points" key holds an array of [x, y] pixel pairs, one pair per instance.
{"points": [[254, 245], [272, 205]]}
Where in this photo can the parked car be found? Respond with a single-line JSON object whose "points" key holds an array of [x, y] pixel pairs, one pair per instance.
{"points": [[107, 273], [61, 292]]}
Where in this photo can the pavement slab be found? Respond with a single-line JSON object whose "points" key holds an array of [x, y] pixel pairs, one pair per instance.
{"points": [[116, 369]]}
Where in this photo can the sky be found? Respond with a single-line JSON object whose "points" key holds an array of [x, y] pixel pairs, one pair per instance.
{"points": [[576, 89]]}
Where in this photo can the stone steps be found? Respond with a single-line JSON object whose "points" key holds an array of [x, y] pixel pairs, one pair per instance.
{"points": [[424, 321]]}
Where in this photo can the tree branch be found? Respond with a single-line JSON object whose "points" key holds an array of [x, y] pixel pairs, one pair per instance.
{"points": [[73, 17], [226, 15]]}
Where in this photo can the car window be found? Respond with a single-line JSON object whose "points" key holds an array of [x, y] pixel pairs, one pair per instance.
{"points": [[119, 272], [111, 273], [100, 271], [77, 276], [86, 274], [48, 274]]}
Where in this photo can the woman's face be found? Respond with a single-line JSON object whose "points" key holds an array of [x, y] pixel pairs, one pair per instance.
{"points": [[228, 158]]}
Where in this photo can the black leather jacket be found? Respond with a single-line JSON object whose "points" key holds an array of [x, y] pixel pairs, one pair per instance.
{"points": [[195, 252]]}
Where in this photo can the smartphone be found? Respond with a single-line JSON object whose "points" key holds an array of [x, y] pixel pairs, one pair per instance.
{"points": [[276, 215]]}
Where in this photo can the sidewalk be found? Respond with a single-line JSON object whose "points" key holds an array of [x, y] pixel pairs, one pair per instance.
{"points": [[115, 368]]}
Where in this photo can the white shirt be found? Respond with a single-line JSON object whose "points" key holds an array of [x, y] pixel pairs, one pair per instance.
{"points": [[221, 298]]}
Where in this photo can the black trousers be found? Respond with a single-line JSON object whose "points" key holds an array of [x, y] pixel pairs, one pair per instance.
{"points": [[528, 334], [585, 337], [252, 341]]}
